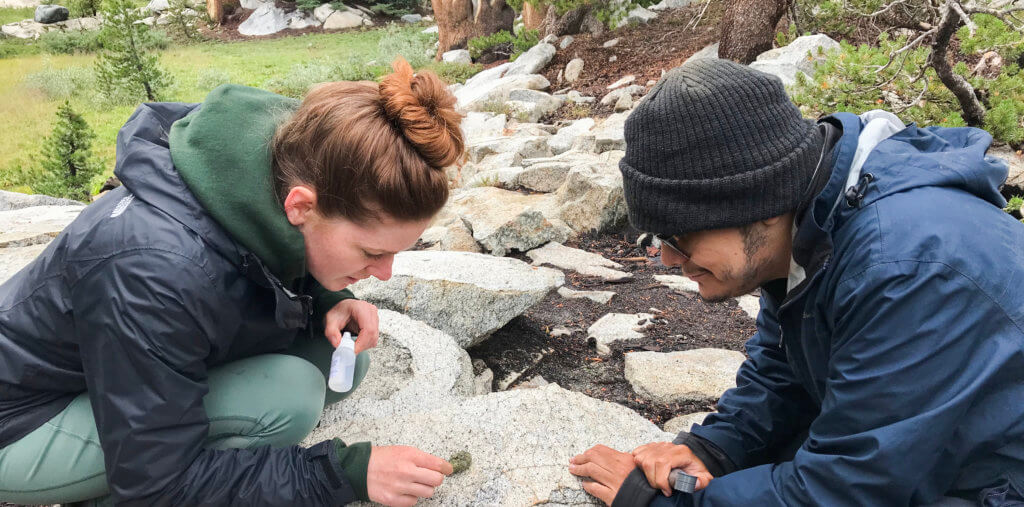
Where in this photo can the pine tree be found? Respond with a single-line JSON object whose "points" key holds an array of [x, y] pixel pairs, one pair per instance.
{"points": [[67, 158], [125, 66]]}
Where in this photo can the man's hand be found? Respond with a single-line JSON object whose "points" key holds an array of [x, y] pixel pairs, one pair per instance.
{"points": [[657, 459], [399, 475], [356, 316], [606, 467]]}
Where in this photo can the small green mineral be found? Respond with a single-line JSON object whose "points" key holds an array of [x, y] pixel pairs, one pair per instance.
{"points": [[460, 461]]}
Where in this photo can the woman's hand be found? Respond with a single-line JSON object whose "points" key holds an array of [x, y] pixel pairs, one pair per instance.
{"points": [[356, 316], [399, 475], [657, 459]]}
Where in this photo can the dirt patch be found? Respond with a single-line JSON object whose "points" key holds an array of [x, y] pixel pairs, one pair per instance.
{"points": [[683, 322], [643, 51]]}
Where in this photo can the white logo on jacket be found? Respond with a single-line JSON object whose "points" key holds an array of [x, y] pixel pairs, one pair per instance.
{"points": [[122, 205]]}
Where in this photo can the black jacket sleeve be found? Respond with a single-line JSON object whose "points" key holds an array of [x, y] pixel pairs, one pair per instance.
{"points": [[146, 318], [637, 492]]}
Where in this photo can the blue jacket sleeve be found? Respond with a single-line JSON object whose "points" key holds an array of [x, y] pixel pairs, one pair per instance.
{"points": [[147, 339], [767, 408], [913, 347]]}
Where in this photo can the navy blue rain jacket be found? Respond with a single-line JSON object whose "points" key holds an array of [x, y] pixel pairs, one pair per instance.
{"points": [[902, 351]]}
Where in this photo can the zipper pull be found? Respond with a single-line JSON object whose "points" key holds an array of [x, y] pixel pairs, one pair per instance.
{"points": [[855, 194]]}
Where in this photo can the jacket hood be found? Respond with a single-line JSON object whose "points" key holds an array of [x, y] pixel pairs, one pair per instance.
{"points": [[901, 157], [144, 167], [222, 151]]}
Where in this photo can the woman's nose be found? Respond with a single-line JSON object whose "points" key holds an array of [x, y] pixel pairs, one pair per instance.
{"points": [[381, 269]]}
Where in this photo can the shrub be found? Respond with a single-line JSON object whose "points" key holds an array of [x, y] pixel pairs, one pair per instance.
{"points": [[70, 41], [417, 48], [126, 67], [394, 8], [301, 77], [67, 159], [60, 83], [503, 43], [451, 72], [82, 8], [208, 79], [12, 47], [184, 21]]}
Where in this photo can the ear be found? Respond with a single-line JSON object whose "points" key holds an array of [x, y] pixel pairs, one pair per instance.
{"points": [[771, 222], [300, 204]]}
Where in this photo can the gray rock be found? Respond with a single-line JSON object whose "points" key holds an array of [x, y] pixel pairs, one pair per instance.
{"points": [[639, 16], [591, 198], [478, 97], [669, 4], [483, 383], [565, 42], [525, 147], [615, 327], [578, 98], [580, 261], [414, 367], [91, 23], [684, 422], [550, 39], [532, 61], [27, 29], [14, 200], [680, 284], [466, 295], [625, 80], [457, 56], [432, 29], [602, 297], [751, 305], [531, 105], [350, 18], [573, 70], [566, 136], [545, 177], [681, 377], [35, 225], [299, 20], [709, 51], [610, 135], [48, 14], [157, 6], [612, 59], [265, 20], [613, 96], [453, 237], [611, 43], [502, 221], [624, 103], [799, 56], [481, 125], [411, 18], [1014, 161], [323, 12], [14, 259], [521, 442]]}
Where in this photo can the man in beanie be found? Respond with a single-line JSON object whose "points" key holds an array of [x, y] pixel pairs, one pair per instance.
{"points": [[888, 363]]}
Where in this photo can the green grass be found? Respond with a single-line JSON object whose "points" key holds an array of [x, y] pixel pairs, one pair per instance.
{"points": [[12, 15], [27, 113]]}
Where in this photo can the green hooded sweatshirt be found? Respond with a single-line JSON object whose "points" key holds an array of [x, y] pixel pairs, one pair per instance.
{"points": [[222, 152]]}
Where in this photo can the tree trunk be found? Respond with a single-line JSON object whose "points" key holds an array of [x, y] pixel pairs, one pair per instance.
{"points": [[974, 112], [570, 23], [748, 28], [533, 16], [215, 8], [460, 20]]}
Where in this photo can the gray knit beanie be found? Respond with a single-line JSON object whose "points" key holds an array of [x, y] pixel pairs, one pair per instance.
{"points": [[716, 144]]}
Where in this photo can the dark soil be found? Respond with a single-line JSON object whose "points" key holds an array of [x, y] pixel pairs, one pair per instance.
{"points": [[643, 51], [683, 322]]}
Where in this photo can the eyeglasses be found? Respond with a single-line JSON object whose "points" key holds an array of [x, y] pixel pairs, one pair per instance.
{"points": [[671, 242]]}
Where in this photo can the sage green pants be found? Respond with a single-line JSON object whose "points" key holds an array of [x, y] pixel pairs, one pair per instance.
{"points": [[271, 399]]}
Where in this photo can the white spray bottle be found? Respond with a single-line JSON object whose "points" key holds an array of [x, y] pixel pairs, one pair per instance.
{"points": [[343, 365]]}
